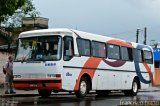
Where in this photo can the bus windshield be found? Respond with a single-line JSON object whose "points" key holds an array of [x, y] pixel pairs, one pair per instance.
{"points": [[41, 48]]}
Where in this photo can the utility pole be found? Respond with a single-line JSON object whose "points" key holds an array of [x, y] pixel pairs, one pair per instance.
{"points": [[137, 34], [145, 36]]}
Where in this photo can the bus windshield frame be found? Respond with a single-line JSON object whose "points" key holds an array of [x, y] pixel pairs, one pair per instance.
{"points": [[39, 48]]}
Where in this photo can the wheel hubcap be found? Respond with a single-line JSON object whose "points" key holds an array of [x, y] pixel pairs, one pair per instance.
{"points": [[83, 87], [135, 87]]}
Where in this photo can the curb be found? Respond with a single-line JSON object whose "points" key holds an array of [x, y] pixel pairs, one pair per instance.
{"points": [[151, 89], [148, 90], [29, 95]]}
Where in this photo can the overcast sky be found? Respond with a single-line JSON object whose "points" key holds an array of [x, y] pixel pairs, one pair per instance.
{"points": [[114, 18]]}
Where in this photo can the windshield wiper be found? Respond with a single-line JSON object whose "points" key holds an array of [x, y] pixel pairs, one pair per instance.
{"points": [[24, 57]]}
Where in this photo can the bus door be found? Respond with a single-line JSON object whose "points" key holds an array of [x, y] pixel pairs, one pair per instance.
{"points": [[69, 71]]}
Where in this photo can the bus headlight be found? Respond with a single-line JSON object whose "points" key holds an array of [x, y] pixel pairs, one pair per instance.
{"points": [[17, 76]]}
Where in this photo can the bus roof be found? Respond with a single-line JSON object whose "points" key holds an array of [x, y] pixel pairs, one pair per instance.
{"points": [[58, 31], [42, 32], [66, 31]]}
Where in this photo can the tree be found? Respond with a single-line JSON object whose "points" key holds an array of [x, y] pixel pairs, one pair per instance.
{"points": [[8, 7], [14, 20], [11, 14]]}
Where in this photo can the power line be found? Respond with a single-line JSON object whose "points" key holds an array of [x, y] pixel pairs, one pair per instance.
{"points": [[142, 33], [141, 30], [121, 33]]}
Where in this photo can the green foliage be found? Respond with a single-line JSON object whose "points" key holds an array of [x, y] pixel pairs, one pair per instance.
{"points": [[13, 16], [8, 7]]}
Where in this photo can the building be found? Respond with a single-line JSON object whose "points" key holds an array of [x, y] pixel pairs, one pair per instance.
{"points": [[157, 65], [8, 36], [157, 57], [30, 23]]}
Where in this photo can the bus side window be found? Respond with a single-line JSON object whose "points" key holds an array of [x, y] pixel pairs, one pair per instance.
{"points": [[113, 51], [98, 49], [84, 47], [148, 57], [68, 48], [137, 55], [126, 54]]}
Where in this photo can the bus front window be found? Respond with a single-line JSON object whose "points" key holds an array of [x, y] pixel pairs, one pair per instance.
{"points": [[41, 48]]}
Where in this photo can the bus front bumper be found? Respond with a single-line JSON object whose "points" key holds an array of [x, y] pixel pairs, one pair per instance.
{"points": [[42, 84]]}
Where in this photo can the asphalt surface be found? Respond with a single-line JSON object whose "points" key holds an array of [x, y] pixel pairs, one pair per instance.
{"points": [[22, 93], [30, 98]]}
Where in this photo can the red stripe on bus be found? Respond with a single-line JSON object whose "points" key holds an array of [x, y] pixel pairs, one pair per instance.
{"points": [[90, 63], [120, 43], [149, 71]]}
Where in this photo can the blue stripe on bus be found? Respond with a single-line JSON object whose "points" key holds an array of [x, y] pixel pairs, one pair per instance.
{"points": [[138, 72]]}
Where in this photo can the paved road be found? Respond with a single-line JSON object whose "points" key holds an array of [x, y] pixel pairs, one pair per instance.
{"points": [[114, 99]]}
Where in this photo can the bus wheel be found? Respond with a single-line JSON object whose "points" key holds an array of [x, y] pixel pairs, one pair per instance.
{"points": [[102, 92], [83, 88], [134, 90], [44, 93]]}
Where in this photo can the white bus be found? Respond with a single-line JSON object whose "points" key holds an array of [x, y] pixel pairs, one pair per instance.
{"points": [[75, 61]]}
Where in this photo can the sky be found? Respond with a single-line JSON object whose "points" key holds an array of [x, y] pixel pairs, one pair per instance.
{"points": [[113, 18]]}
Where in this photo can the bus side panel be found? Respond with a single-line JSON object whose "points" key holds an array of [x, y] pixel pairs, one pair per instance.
{"points": [[103, 80], [112, 78]]}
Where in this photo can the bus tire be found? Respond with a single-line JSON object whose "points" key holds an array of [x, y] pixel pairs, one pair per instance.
{"points": [[83, 88], [102, 92], [134, 90], [44, 93]]}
